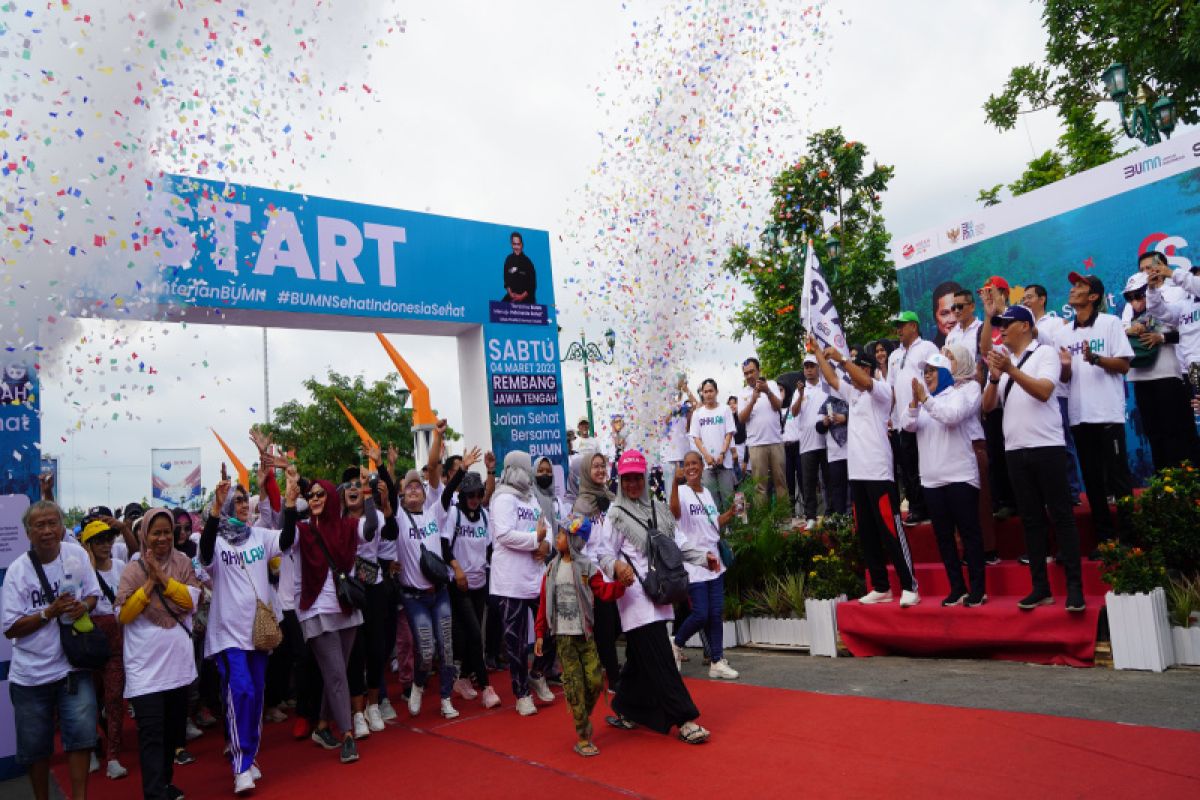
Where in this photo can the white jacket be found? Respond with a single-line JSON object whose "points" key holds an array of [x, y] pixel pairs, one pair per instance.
{"points": [[943, 429]]}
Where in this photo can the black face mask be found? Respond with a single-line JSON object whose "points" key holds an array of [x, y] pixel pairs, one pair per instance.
{"points": [[602, 503], [545, 481]]}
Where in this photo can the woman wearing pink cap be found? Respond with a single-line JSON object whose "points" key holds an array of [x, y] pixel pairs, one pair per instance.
{"points": [[650, 691]]}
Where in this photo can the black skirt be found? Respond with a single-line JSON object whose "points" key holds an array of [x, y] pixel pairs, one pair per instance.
{"points": [[650, 691]]}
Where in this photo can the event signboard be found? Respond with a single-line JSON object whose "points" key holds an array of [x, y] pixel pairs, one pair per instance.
{"points": [[175, 476], [1097, 222]]}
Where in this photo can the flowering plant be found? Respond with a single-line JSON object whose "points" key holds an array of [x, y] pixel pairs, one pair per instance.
{"points": [[1131, 570], [1166, 517]]}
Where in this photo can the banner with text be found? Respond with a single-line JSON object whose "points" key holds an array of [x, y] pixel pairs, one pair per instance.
{"points": [[175, 476]]}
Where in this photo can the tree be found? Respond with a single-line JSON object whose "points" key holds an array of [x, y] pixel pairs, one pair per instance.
{"points": [[1158, 41], [833, 180], [322, 438]]}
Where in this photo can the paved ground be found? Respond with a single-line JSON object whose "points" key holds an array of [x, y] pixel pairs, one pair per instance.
{"points": [[1165, 700]]}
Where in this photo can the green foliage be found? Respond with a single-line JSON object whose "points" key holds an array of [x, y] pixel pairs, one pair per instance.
{"points": [[1165, 518], [1183, 599], [1042, 171], [322, 438], [837, 569], [990, 197], [1130, 570], [832, 180]]}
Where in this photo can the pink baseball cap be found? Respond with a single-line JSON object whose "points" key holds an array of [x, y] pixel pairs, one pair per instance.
{"points": [[631, 461]]}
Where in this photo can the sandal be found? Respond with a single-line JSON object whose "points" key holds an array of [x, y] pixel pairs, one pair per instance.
{"points": [[694, 734], [587, 750], [617, 721]]}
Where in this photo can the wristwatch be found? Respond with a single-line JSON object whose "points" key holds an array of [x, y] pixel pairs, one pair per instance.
{"points": [[994, 381]]}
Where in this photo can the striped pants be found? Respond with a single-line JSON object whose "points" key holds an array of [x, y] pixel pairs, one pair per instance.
{"points": [[243, 677], [515, 616]]}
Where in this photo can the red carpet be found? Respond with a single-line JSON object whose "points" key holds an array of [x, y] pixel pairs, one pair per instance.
{"points": [[766, 742], [1010, 537]]}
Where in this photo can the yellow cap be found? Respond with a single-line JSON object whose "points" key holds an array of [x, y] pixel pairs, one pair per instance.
{"points": [[94, 529]]}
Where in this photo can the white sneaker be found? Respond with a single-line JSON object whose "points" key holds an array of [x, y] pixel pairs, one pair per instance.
{"points": [[909, 599], [255, 772], [810, 524], [93, 764], [465, 690], [542, 689], [875, 597], [490, 698], [414, 699], [721, 669], [192, 731], [525, 706], [243, 782], [678, 651], [115, 770], [374, 719], [386, 711], [448, 709], [361, 730]]}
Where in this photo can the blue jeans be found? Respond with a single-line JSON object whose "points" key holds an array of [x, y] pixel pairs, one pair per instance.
{"points": [[708, 603], [430, 620], [70, 700]]}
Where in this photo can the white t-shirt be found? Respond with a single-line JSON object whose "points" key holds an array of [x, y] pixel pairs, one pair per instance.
{"points": [[903, 366], [834, 450], [424, 528], [676, 443], [762, 426], [156, 658], [471, 540], [369, 551], [120, 550], [698, 523], [968, 339], [1185, 316], [240, 576], [942, 425], [1029, 422], [710, 426], [288, 589], [868, 450], [810, 412], [515, 573], [112, 576], [38, 658], [1095, 394], [1048, 328]]}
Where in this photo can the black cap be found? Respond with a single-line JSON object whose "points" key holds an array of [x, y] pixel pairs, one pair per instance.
{"points": [[134, 511], [349, 474]]}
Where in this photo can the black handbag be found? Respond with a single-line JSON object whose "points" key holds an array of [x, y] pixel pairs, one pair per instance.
{"points": [[83, 650], [350, 590], [432, 566]]}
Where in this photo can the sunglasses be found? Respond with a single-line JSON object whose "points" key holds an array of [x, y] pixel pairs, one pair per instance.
{"points": [[961, 306], [316, 494], [1137, 295]]}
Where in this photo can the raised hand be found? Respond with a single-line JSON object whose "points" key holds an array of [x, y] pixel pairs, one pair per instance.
{"points": [[393, 455], [489, 462], [222, 492], [375, 454], [261, 440], [471, 458]]}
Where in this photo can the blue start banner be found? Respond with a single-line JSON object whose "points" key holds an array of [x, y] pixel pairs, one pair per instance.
{"points": [[1096, 223]]}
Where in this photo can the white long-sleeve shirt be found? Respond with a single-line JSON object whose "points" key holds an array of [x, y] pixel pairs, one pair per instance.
{"points": [[942, 425], [1184, 314], [515, 572]]}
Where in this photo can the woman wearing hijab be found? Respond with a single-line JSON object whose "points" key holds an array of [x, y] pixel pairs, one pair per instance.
{"points": [[940, 413], [154, 603], [519, 552], [650, 691], [327, 624], [592, 500], [236, 556], [543, 491]]}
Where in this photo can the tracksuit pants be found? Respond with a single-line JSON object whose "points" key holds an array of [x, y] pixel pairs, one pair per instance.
{"points": [[876, 506], [243, 676]]}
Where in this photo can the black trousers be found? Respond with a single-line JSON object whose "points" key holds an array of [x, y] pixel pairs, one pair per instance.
{"points": [[956, 505], [877, 517], [813, 466], [993, 432], [306, 674], [651, 691], [837, 487], [1167, 419], [162, 726], [1039, 480], [606, 627], [1104, 465], [466, 609], [792, 469], [910, 475]]}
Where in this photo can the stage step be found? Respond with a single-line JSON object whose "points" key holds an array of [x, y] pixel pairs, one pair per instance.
{"points": [[997, 630], [1005, 578], [1010, 537]]}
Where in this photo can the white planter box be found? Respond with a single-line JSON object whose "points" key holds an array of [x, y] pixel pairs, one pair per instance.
{"points": [[787, 631], [822, 626], [1141, 635], [1186, 642], [742, 626], [729, 637]]}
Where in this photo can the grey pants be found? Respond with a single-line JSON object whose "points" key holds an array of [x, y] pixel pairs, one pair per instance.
{"points": [[719, 483], [332, 651]]}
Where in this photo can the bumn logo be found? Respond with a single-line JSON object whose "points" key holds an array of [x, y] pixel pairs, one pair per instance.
{"points": [[1149, 165]]}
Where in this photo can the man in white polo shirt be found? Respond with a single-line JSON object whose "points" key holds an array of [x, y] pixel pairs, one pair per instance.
{"points": [[759, 403], [902, 369], [1021, 379], [873, 493], [966, 332], [1100, 356]]}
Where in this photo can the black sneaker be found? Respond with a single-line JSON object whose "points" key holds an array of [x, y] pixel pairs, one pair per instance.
{"points": [[325, 738], [991, 559], [1075, 601], [954, 599], [183, 758], [974, 600], [1003, 513], [1024, 559], [349, 751], [174, 792], [1038, 597], [914, 520]]}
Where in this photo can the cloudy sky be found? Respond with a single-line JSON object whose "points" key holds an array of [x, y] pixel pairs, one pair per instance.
{"points": [[489, 112]]}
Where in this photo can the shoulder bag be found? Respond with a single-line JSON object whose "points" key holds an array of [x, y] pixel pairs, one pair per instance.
{"points": [[350, 590], [265, 633], [83, 650], [724, 551], [432, 566]]}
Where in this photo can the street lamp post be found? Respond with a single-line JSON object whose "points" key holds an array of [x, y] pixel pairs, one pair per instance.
{"points": [[587, 352], [1141, 121]]}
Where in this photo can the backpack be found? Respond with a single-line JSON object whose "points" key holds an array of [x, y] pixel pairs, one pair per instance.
{"points": [[666, 581]]}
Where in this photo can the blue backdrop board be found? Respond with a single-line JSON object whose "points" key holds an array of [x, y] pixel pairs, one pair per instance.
{"points": [[1096, 222]]}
